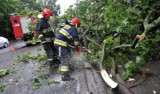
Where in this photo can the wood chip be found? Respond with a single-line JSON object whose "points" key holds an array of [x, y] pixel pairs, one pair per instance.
{"points": [[130, 79]]}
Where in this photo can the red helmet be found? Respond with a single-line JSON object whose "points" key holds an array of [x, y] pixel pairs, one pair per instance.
{"points": [[46, 13], [76, 22]]}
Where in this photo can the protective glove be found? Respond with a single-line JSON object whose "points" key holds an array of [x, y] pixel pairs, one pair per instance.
{"points": [[42, 40]]}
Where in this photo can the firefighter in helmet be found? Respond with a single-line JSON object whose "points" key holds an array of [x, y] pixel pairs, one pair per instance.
{"points": [[66, 36], [46, 35]]}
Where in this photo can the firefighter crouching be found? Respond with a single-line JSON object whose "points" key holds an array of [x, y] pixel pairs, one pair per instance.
{"points": [[46, 35], [66, 36]]}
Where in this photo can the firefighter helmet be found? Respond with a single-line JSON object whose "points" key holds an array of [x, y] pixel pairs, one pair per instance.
{"points": [[76, 22], [46, 13]]}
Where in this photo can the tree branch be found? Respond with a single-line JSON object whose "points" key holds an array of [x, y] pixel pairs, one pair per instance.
{"points": [[146, 20], [121, 46], [84, 38], [89, 39], [154, 24], [103, 56]]}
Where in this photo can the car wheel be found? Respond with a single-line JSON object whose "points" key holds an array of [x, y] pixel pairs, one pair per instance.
{"points": [[5, 45]]}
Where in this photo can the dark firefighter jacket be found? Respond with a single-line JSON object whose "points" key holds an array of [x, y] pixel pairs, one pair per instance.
{"points": [[44, 32], [68, 35]]}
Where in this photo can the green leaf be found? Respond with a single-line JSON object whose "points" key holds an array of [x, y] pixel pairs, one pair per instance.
{"points": [[36, 84], [4, 72], [49, 82]]}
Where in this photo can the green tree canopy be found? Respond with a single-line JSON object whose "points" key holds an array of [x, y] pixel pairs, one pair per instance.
{"points": [[24, 8], [118, 22]]}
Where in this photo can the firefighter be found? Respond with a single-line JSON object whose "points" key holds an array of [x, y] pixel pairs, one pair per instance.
{"points": [[46, 35], [67, 37]]}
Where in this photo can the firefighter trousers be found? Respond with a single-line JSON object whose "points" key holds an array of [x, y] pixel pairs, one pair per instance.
{"points": [[65, 55], [51, 52]]}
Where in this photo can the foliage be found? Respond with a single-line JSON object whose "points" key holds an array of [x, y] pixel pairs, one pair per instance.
{"points": [[36, 84], [122, 58], [43, 76], [40, 57], [108, 62], [49, 82], [25, 57], [139, 61], [114, 22], [23, 8], [29, 4], [2, 87], [7, 7], [130, 69], [103, 20], [4, 72]]}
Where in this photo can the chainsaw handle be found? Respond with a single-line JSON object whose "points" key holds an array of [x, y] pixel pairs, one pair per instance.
{"points": [[71, 46]]}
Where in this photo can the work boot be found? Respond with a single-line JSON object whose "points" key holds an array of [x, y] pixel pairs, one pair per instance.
{"points": [[72, 68], [53, 67], [66, 77], [56, 63]]}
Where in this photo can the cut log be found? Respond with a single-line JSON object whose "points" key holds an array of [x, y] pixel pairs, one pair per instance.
{"points": [[107, 79], [121, 89]]}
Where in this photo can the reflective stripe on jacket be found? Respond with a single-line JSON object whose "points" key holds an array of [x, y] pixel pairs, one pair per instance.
{"points": [[67, 35], [60, 42], [43, 31]]}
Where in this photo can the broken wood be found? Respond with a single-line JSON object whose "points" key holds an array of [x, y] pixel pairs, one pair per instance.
{"points": [[104, 73], [115, 73], [114, 85], [107, 79], [121, 89]]}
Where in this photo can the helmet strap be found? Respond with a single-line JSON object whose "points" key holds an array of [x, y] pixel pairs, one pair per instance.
{"points": [[76, 25]]}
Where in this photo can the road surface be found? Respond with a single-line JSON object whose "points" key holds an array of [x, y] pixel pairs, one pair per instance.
{"points": [[22, 75]]}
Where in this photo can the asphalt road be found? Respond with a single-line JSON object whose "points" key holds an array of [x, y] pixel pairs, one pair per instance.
{"points": [[16, 45], [87, 81], [22, 75]]}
